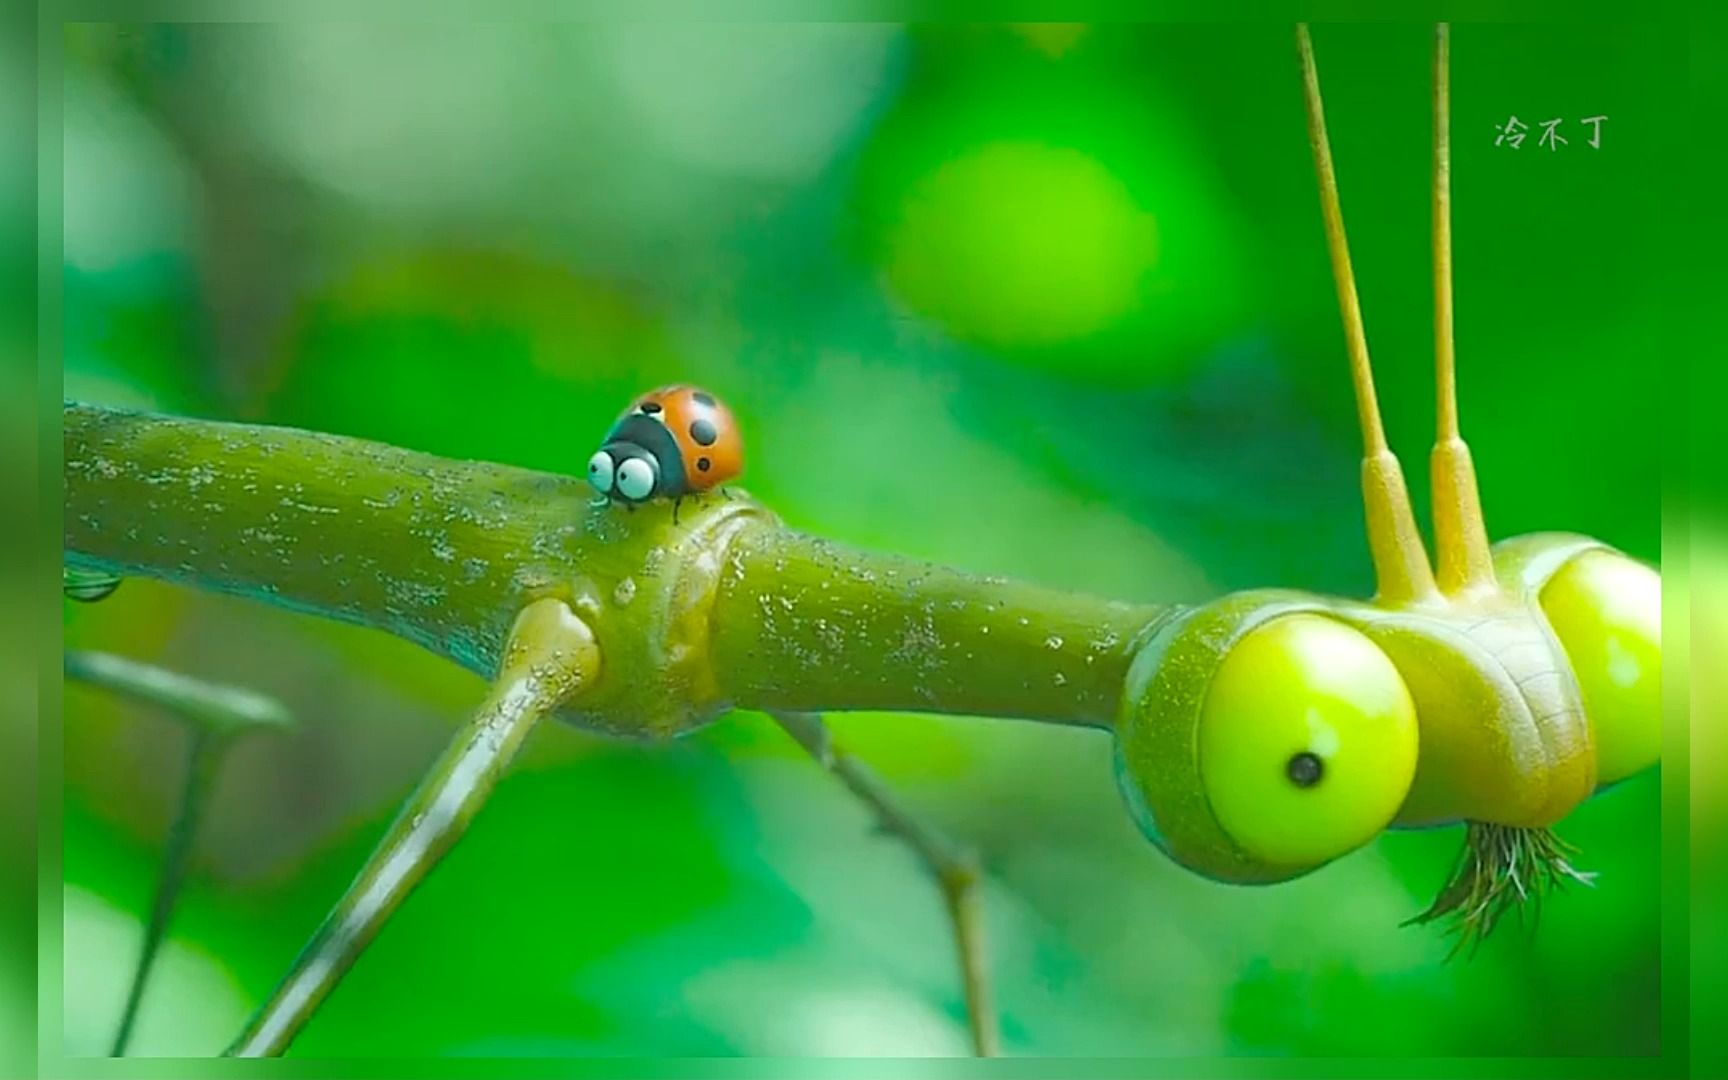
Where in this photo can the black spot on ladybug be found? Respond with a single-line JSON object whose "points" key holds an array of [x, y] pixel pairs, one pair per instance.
{"points": [[650, 407], [703, 399], [703, 432], [702, 464]]}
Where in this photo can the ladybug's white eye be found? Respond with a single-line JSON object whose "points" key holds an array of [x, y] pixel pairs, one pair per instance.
{"points": [[600, 472], [635, 478]]}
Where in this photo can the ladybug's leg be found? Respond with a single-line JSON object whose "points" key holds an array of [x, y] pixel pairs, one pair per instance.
{"points": [[725, 493], [676, 503], [630, 506]]}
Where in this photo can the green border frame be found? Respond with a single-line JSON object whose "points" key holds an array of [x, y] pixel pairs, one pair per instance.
{"points": [[52, 17]]}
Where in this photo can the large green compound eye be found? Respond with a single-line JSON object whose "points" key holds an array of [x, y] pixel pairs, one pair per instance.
{"points": [[1606, 609], [1307, 741]]}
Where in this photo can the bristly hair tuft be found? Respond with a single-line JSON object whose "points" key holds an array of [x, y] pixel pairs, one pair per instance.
{"points": [[1501, 870]]}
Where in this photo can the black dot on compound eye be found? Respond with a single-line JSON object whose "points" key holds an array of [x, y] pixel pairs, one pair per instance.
{"points": [[703, 432], [650, 407], [1304, 769], [702, 464], [703, 399]]}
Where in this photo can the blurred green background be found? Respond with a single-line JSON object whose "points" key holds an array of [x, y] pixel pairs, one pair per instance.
{"points": [[1047, 301]]}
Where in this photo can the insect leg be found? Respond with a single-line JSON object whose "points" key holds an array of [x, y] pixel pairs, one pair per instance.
{"points": [[955, 868]]}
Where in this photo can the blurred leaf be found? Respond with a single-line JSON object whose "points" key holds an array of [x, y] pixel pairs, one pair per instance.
{"points": [[1037, 210]]}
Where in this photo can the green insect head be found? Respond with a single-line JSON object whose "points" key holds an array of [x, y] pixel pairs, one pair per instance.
{"points": [[1265, 734], [1270, 732]]}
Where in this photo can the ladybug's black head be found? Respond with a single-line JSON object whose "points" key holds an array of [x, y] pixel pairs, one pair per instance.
{"points": [[624, 471], [639, 461]]}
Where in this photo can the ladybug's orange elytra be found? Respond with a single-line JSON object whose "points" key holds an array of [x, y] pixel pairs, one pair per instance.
{"points": [[670, 442]]}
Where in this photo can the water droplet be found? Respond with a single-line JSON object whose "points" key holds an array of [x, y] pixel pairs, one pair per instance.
{"points": [[1061, 679], [88, 586], [1053, 642], [983, 629], [625, 592]]}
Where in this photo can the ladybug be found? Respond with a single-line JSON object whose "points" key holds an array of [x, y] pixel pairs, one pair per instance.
{"points": [[670, 442]]}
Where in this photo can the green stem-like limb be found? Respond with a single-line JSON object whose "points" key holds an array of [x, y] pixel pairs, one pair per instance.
{"points": [[436, 551], [550, 656], [955, 868], [213, 713], [726, 608], [807, 625], [211, 708], [202, 757]]}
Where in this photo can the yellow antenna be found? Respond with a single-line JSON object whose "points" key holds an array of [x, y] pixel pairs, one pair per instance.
{"points": [[1401, 567], [1460, 537]]}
